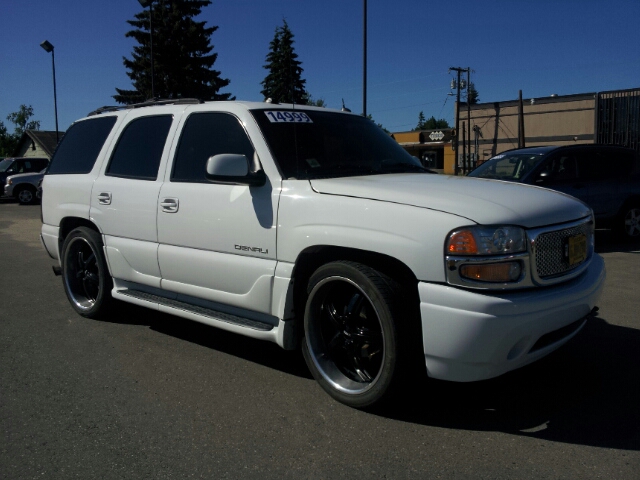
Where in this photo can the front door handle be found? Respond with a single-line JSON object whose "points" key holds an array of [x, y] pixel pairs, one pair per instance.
{"points": [[104, 198], [170, 205]]}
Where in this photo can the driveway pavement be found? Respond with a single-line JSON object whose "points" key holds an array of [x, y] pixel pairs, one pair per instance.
{"points": [[146, 395]]}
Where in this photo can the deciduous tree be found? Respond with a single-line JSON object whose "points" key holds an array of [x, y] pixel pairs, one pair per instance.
{"points": [[22, 122]]}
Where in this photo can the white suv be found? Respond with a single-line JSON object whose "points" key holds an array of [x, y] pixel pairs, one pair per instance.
{"points": [[303, 225]]}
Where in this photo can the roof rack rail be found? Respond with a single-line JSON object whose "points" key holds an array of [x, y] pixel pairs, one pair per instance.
{"points": [[147, 103]]}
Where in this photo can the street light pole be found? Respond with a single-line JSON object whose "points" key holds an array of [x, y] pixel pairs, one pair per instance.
{"points": [[48, 47], [364, 62], [145, 4]]}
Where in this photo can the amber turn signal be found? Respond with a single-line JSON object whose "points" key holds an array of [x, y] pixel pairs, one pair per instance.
{"points": [[462, 242], [492, 272]]}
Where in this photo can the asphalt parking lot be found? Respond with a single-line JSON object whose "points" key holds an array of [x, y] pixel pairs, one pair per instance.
{"points": [[147, 395]]}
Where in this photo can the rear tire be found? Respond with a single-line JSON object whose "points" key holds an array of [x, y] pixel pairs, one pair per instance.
{"points": [[85, 275], [352, 334]]}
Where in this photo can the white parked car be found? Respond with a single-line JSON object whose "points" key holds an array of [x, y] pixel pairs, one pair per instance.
{"points": [[24, 187], [307, 226]]}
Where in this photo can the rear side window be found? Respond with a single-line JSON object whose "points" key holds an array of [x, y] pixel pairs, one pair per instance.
{"points": [[139, 149], [605, 163], [205, 135], [80, 146], [39, 164]]}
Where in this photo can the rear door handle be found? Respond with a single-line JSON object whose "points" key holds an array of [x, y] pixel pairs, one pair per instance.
{"points": [[170, 205], [104, 198]]}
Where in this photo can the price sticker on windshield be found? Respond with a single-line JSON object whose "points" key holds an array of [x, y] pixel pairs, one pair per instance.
{"points": [[287, 117]]}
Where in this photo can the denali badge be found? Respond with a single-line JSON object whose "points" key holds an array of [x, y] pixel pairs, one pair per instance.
{"points": [[252, 249]]}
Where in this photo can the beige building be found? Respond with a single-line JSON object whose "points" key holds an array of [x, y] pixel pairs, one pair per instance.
{"points": [[37, 143], [605, 117]]}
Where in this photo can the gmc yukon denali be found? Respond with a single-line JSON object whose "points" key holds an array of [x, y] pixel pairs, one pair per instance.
{"points": [[312, 228]]}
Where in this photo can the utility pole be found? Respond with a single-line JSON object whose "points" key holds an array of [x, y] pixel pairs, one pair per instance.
{"points": [[457, 138], [521, 142], [468, 168], [464, 149]]}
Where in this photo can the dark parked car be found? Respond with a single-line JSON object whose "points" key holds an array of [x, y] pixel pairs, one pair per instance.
{"points": [[11, 166], [607, 178]]}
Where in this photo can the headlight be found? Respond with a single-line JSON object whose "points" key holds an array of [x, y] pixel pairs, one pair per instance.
{"points": [[487, 256], [481, 240], [10, 181]]}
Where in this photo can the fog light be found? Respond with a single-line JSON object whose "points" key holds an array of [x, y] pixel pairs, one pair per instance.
{"points": [[492, 272]]}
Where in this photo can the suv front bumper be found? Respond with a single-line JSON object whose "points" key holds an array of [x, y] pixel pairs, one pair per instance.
{"points": [[475, 335]]}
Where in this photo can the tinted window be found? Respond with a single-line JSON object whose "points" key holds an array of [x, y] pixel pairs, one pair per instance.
{"points": [[39, 164], [205, 135], [317, 144], [33, 166], [562, 167], [19, 167], [139, 148], [605, 163], [80, 146]]}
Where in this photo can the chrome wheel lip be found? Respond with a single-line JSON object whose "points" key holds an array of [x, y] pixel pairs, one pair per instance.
{"points": [[632, 222], [81, 299], [322, 361]]}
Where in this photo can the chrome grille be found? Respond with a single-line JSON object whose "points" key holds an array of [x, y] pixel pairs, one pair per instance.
{"points": [[549, 250]]}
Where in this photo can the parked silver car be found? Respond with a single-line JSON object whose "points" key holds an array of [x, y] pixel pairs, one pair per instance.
{"points": [[23, 187]]}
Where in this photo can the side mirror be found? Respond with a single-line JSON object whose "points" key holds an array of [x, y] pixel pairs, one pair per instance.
{"points": [[235, 169], [542, 177]]}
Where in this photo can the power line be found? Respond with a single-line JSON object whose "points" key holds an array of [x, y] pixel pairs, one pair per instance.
{"points": [[407, 106]]}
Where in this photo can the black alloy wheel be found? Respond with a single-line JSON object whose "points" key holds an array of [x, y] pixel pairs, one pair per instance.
{"points": [[351, 337], [84, 272]]}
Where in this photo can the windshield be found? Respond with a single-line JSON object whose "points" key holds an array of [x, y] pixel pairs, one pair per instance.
{"points": [[314, 144], [508, 166], [4, 164]]}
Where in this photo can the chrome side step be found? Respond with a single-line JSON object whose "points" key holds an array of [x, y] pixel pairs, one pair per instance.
{"points": [[197, 310]]}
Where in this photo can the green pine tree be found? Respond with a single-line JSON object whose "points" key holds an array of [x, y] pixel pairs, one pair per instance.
{"points": [[182, 54], [431, 123], [473, 96], [284, 82]]}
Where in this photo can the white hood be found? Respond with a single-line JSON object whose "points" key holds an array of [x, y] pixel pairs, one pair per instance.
{"points": [[487, 202]]}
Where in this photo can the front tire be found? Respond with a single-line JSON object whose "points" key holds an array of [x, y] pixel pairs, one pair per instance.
{"points": [[351, 343], [26, 195], [629, 223], [85, 275]]}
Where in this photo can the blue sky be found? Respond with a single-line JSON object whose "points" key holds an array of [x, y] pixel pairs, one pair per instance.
{"points": [[541, 47]]}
